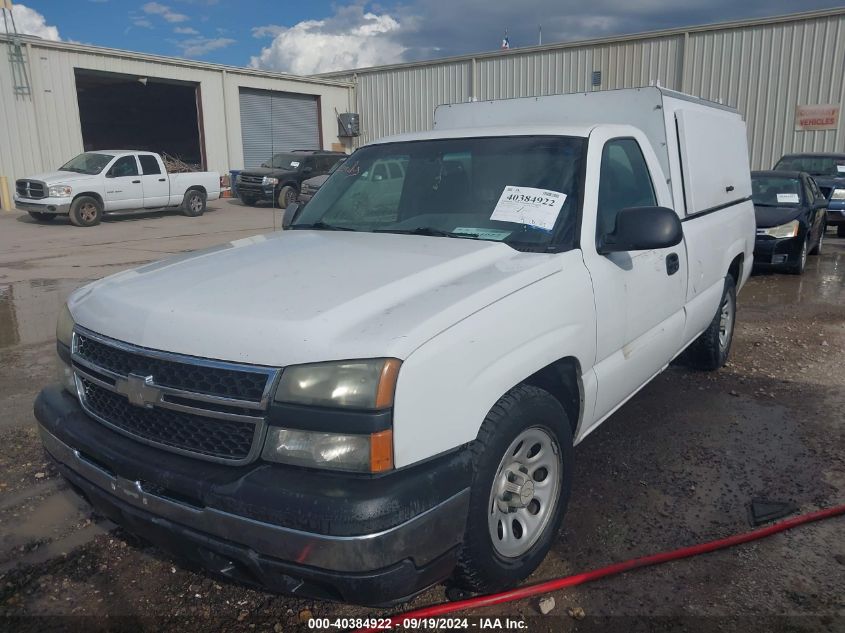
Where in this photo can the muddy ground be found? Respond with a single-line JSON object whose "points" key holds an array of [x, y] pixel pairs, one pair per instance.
{"points": [[675, 466]]}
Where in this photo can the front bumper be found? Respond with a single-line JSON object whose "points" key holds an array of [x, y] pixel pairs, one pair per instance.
{"points": [[258, 192], [771, 251], [45, 205], [245, 523]]}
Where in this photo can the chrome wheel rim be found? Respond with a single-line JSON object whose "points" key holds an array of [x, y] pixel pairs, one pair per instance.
{"points": [[196, 204], [726, 321], [525, 492], [88, 212]]}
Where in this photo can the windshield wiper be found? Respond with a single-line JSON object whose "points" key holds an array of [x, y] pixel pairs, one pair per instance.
{"points": [[426, 230], [322, 226]]}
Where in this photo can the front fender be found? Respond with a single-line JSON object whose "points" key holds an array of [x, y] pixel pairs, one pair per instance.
{"points": [[448, 385]]}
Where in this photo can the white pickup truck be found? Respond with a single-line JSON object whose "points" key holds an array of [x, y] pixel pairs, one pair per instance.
{"points": [[107, 181], [388, 392]]}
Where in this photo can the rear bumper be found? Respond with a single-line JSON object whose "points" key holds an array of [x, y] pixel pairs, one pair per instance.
{"points": [[386, 565]]}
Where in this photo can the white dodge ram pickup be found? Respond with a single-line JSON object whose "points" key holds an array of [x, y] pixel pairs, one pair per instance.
{"points": [[388, 392], [107, 181]]}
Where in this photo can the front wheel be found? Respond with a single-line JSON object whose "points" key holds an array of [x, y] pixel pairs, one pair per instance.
{"points": [[193, 204], [85, 211], [710, 350], [818, 249], [38, 216], [522, 478], [287, 195], [798, 267]]}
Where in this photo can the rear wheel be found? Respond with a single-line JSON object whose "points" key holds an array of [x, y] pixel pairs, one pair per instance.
{"points": [[522, 478], [193, 204], [85, 211], [38, 216], [287, 195], [710, 350]]}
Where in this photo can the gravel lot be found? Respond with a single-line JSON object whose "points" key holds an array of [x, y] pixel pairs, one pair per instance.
{"points": [[675, 466]]}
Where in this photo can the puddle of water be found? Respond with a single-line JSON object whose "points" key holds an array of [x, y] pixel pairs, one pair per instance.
{"points": [[28, 309]]}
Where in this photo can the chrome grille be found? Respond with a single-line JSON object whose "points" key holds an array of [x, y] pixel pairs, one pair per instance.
{"points": [[251, 180], [33, 189], [208, 409]]}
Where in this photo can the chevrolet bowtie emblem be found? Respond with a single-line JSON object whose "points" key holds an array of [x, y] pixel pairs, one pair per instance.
{"points": [[139, 390]]}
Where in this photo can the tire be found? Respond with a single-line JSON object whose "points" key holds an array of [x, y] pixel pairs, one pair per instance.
{"points": [[818, 249], [798, 267], [494, 555], [287, 195], [710, 350], [840, 230], [85, 211], [193, 204], [38, 216], [249, 201]]}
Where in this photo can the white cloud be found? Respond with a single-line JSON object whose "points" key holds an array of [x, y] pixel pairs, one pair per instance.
{"points": [[30, 22], [350, 38], [199, 46], [142, 22], [186, 30], [156, 8]]}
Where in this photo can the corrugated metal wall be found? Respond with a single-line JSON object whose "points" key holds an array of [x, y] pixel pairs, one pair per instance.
{"points": [[764, 69], [40, 131]]}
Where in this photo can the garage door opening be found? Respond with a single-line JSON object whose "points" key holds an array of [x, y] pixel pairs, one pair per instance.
{"points": [[273, 122], [130, 112]]}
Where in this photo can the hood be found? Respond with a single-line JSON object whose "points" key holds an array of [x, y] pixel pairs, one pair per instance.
{"points": [[775, 216], [305, 296], [316, 181], [266, 171], [59, 177]]}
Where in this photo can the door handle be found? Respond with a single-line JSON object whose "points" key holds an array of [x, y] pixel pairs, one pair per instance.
{"points": [[673, 263], [136, 182], [729, 188], [162, 179]]}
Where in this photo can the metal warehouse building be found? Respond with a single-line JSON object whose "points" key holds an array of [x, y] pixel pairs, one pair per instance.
{"points": [[58, 99], [765, 68]]}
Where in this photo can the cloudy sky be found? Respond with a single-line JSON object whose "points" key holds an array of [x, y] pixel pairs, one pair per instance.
{"points": [[322, 35]]}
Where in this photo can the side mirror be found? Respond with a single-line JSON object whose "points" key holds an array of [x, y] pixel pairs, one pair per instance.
{"points": [[642, 229], [289, 214]]}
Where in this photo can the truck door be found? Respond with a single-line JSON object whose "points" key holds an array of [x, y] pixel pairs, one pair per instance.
{"points": [[154, 182], [639, 295], [123, 185]]}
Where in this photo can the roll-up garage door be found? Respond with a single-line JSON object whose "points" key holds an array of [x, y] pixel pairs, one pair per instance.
{"points": [[273, 122]]}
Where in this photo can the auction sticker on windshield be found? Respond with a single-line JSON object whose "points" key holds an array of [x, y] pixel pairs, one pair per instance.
{"points": [[788, 197], [527, 205]]}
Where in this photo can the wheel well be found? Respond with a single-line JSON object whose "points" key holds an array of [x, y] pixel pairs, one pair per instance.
{"points": [[196, 188], [562, 379], [90, 194], [735, 269]]}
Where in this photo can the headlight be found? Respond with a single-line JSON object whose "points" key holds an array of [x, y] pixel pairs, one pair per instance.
{"points": [[360, 453], [64, 327], [269, 180], [64, 334], [358, 384], [59, 191], [790, 229], [838, 194]]}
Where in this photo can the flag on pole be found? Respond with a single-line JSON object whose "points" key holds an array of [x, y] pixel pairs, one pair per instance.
{"points": [[506, 43]]}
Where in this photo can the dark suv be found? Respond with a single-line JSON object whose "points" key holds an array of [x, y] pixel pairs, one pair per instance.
{"points": [[279, 179], [828, 170]]}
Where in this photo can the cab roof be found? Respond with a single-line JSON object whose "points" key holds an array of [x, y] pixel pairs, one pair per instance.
{"points": [[582, 131]]}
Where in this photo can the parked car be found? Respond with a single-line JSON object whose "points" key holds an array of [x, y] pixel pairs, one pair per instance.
{"points": [[105, 181], [791, 218], [280, 178], [309, 187], [828, 170], [375, 399]]}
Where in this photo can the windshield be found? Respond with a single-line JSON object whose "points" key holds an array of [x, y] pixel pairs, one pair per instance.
{"points": [[813, 165], [520, 190], [775, 191], [337, 165], [87, 163], [285, 161]]}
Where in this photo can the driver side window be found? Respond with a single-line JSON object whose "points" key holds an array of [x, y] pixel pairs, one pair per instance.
{"points": [[624, 181], [124, 166]]}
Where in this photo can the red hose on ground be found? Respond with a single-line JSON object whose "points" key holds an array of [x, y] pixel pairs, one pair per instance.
{"points": [[611, 570]]}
